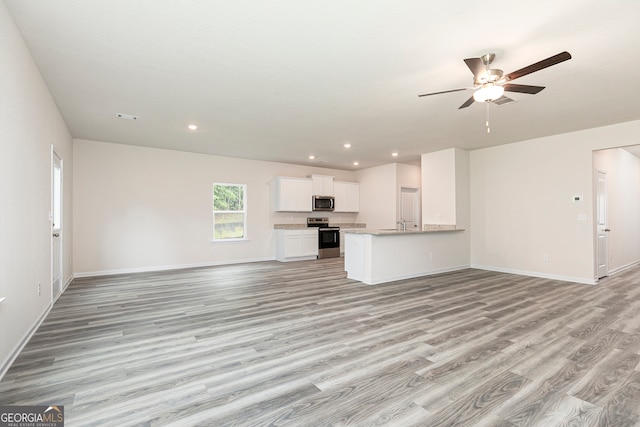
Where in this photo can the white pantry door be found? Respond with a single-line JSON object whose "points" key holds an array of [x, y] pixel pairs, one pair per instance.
{"points": [[602, 239], [56, 226]]}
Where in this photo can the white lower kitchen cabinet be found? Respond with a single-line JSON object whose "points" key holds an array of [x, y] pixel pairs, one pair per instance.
{"points": [[296, 245]]}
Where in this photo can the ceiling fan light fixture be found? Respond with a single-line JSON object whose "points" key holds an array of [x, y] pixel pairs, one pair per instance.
{"points": [[488, 92]]}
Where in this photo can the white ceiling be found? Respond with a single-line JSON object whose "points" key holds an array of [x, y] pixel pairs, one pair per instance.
{"points": [[280, 80]]}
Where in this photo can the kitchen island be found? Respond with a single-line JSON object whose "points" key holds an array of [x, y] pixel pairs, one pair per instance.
{"points": [[380, 256]]}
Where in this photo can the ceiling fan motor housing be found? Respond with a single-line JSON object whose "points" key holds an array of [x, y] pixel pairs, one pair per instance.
{"points": [[491, 76]]}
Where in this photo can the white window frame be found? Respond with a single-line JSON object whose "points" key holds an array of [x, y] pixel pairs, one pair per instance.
{"points": [[214, 212]]}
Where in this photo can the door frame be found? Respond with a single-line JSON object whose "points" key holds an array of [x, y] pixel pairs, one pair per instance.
{"points": [[601, 238], [57, 213]]}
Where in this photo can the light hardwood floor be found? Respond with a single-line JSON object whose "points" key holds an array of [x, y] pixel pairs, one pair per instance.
{"points": [[299, 344]]}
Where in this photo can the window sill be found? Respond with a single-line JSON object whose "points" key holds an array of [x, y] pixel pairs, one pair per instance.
{"points": [[231, 241]]}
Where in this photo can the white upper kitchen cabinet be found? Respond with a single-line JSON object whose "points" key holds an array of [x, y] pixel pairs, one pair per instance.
{"points": [[322, 185], [291, 194], [347, 196]]}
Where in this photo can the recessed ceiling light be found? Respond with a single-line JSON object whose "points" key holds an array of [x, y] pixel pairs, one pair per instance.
{"points": [[311, 157], [347, 145], [394, 154], [355, 163], [193, 127]]}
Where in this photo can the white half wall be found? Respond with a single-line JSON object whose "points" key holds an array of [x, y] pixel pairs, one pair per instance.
{"points": [[30, 124], [374, 259], [523, 219]]}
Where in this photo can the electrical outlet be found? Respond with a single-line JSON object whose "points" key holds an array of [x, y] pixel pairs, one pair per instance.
{"points": [[39, 290], [545, 258]]}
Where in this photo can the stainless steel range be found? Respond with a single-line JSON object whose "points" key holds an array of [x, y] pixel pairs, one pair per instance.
{"points": [[328, 237]]}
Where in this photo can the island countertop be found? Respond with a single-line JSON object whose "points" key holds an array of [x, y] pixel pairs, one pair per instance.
{"points": [[305, 226], [428, 228]]}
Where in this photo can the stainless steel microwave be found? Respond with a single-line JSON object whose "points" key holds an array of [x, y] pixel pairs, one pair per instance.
{"points": [[323, 203]]}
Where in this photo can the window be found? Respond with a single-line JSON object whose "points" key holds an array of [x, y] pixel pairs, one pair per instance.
{"points": [[229, 211]]}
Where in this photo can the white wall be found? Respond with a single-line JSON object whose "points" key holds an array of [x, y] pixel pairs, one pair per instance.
{"points": [[445, 183], [407, 176], [439, 187], [623, 205], [380, 192], [463, 189], [139, 208], [521, 203], [378, 196], [30, 124]]}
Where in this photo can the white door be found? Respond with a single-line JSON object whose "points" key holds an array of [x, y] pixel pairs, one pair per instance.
{"points": [[410, 207], [602, 240], [56, 226]]}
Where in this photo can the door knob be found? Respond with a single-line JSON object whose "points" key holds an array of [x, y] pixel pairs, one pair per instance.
{"points": [[56, 234]]}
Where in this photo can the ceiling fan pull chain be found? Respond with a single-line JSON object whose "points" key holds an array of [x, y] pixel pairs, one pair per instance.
{"points": [[487, 117]]}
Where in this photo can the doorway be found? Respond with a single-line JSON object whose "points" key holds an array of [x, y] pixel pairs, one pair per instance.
{"points": [[410, 207], [616, 210], [602, 241], [56, 225]]}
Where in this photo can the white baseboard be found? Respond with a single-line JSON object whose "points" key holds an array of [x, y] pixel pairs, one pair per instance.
{"points": [[388, 279], [580, 280], [623, 267], [6, 364], [167, 267]]}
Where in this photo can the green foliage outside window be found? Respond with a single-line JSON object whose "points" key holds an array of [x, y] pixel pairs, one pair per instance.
{"points": [[229, 213]]}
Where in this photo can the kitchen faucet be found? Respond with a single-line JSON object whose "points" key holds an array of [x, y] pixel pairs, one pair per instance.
{"points": [[403, 222]]}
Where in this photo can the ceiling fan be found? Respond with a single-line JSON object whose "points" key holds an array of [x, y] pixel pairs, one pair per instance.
{"points": [[489, 84]]}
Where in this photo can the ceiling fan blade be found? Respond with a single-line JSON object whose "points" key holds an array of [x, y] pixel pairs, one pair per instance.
{"points": [[444, 91], [476, 66], [467, 103], [502, 100], [553, 60], [511, 87]]}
